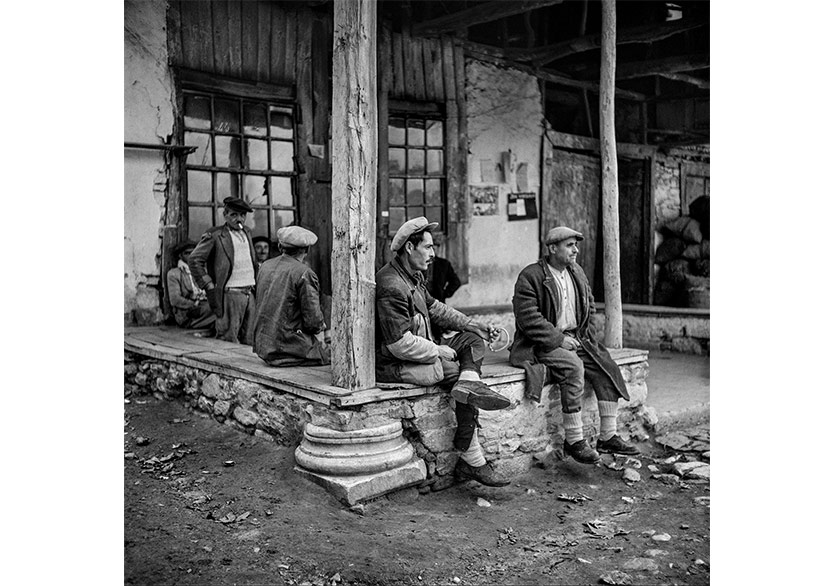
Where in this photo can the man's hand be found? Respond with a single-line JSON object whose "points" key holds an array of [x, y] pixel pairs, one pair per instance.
{"points": [[485, 331], [446, 353], [569, 343]]}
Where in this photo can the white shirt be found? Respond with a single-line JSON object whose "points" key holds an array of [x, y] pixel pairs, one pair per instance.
{"points": [[567, 318]]}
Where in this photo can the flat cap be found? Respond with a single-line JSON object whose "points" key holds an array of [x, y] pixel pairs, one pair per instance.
{"points": [[183, 246], [413, 226], [296, 237], [561, 233], [237, 204], [258, 239]]}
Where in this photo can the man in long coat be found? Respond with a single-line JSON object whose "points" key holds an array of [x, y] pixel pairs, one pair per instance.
{"points": [[406, 352], [552, 303], [288, 319], [188, 302]]}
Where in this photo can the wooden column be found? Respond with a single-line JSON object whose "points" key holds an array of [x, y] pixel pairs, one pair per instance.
{"points": [[613, 333], [354, 182]]}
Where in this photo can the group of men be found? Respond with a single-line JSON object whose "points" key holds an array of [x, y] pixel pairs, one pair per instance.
{"points": [[273, 304]]}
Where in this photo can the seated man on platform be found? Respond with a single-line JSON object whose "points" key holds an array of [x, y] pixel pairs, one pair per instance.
{"points": [[262, 245], [188, 301], [552, 303], [406, 353], [289, 325]]}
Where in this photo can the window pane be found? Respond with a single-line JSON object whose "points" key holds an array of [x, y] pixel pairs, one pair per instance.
{"points": [[226, 116], [228, 151], [257, 154], [397, 131], [203, 154], [417, 134], [227, 186], [397, 192], [282, 218], [434, 215], [417, 162], [199, 220], [259, 222], [198, 112], [433, 192], [282, 191], [414, 192], [282, 155], [255, 119], [281, 122], [396, 218], [414, 212], [199, 185], [397, 161], [435, 162], [434, 133], [255, 190]]}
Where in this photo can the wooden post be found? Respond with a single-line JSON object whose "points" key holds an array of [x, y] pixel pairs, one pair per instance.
{"points": [[354, 181], [613, 334]]}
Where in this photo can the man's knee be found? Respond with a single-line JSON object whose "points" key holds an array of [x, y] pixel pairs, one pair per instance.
{"points": [[563, 364]]}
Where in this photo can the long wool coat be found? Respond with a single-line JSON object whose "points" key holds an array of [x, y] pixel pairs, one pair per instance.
{"points": [[536, 303]]}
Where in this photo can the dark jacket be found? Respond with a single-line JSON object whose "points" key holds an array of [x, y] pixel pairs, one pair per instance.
{"points": [[441, 280], [211, 262], [287, 312], [536, 303]]}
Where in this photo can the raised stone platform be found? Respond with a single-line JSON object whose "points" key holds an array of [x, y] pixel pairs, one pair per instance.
{"points": [[363, 444]]}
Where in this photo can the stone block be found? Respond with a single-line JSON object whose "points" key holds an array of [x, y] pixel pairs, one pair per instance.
{"points": [[246, 417], [141, 379], [245, 393], [205, 404], [222, 408], [354, 489], [513, 466], [214, 387], [431, 404], [445, 462], [437, 440]]}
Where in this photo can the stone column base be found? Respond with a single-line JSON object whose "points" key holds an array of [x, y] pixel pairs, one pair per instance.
{"points": [[354, 489]]}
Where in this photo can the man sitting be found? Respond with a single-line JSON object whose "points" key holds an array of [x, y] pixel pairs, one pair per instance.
{"points": [[188, 302], [289, 324], [405, 351]]}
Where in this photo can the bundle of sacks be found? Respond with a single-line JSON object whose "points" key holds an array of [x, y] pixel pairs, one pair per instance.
{"points": [[684, 258]]}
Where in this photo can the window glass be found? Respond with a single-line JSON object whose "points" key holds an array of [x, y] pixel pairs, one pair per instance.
{"points": [[281, 122], [226, 116], [282, 155], [282, 191], [433, 214], [260, 222], [417, 132], [198, 112], [397, 216], [228, 151], [256, 151], [199, 185], [226, 186], [283, 218], [397, 161], [434, 133], [414, 192], [203, 154], [397, 192], [414, 212], [255, 119], [255, 190], [434, 162], [199, 220], [417, 162], [397, 131], [433, 192]]}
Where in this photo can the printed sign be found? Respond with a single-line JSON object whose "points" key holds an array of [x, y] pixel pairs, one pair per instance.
{"points": [[521, 206], [485, 200]]}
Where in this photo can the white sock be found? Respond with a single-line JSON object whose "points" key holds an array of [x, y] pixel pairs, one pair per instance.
{"points": [[469, 375], [474, 456], [573, 424], [608, 419]]}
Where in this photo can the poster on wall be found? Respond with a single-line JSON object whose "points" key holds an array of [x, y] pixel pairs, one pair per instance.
{"points": [[485, 200], [521, 206]]}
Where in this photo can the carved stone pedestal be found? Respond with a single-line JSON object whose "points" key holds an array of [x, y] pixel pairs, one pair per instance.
{"points": [[357, 465]]}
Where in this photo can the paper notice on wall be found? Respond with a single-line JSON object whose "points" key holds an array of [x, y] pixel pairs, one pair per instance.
{"points": [[522, 177], [485, 200], [488, 171], [316, 150], [506, 166], [521, 206]]}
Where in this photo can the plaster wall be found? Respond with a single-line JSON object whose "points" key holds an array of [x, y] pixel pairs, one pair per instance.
{"points": [[149, 118], [504, 114]]}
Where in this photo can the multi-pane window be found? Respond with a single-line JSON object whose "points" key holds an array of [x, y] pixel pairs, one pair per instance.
{"points": [[417, 183], [245, 149]]}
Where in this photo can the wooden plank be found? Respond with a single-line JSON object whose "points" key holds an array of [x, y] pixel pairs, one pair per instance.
{"points": [[220, 33], [437, 69], [354, 203], [484, 12], [584, 143], [188, 32], [277, 40], [249, 33], [667, 65], [397, 62], [205, 42], [448, 69], [244, 89], [235, 40], [294, 30], [264, 40], [459, 230], [174, 33], [384, 81], [428, 73]]}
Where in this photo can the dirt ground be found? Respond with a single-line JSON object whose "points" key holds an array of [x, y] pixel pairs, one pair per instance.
{"points": [[206, 504]]}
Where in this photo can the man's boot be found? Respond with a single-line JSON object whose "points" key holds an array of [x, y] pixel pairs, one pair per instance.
{"points": [[615, 445], [581, 451], [479, 395], [485, 474]]}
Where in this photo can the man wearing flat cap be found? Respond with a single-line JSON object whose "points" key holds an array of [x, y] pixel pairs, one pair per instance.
{"points": [[289, 324], [261, 244], [406, 352], [552, 303], [188, 302], [223, 264]]}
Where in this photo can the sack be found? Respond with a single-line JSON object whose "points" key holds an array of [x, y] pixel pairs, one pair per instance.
{"points": [[669, 250], [676, 270], [684, 227], [693, 252]]}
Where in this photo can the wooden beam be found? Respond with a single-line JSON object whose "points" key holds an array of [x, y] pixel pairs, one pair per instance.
{"points": [[486, 12], [640, 34], [700, 83], [354, 180], [574, 142], [492, 55], [613, 331], [663, 66]]}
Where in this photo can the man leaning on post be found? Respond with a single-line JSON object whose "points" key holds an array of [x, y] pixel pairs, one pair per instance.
{"points": [[405, 351], [552, 304], [223, 264]]}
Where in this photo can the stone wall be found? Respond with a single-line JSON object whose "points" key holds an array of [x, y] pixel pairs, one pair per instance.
{"points": [[513, 439]]}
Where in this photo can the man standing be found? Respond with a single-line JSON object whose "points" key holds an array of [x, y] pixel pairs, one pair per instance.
{"points": [[188, 302], [261, 244], [552, 303], [223, 264], [405, 351], [288, 320]]}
